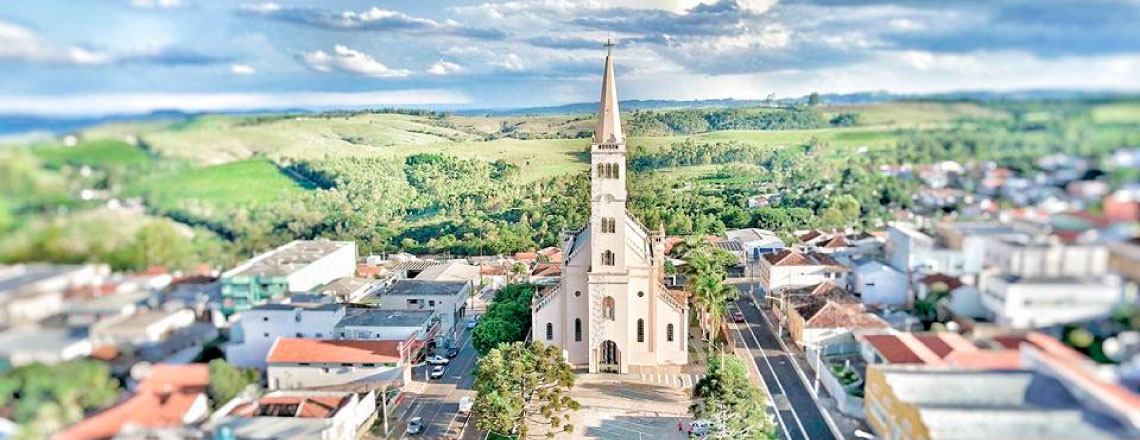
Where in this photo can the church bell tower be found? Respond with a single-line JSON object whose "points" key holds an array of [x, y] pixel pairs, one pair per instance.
{"points": [[607, 180]]}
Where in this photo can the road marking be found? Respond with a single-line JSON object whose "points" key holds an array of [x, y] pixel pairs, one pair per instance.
{"points": [[795, 415]]}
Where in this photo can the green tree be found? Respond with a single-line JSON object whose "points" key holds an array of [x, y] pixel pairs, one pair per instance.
{"points": [[507, 319], [813, 99], [227, 381], [49, 397], [729, 400], [523, 391]]}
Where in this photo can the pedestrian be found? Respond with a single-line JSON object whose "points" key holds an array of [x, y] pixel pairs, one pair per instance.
{"points": [[680, 426]]}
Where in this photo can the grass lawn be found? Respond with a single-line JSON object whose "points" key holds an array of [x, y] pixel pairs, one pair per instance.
{"points": [[246, 182], [102, 154], [1117, 113]]}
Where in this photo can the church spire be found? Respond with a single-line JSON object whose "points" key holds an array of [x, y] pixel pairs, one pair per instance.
{"points": [[608, 130]]}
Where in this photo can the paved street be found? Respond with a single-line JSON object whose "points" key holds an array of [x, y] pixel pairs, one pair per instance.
{"points": [[797, 413], [437, 400]]}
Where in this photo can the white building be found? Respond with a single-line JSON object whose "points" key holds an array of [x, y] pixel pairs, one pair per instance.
{"points": [[311, 363], [297, 266], [1041, 302], [912, 251], [790, 267], [1041, 258], [755, 241], [32, 292], [258, 328], [448, 299], [294, 415], [612, 310], [879, 284]]}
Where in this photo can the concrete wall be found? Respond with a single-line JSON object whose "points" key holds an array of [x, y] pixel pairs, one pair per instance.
{"points": [[259, 328], [1033, 261], [1046, 303], [291, 376]]}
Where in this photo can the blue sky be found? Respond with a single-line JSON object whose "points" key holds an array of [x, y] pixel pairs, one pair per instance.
{"points": [[112, 56]]}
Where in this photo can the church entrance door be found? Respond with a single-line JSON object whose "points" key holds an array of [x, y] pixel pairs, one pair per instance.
{"points": [[609, 359]]}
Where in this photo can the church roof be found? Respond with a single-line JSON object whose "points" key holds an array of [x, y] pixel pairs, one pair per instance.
{"points": [[608, 130]]}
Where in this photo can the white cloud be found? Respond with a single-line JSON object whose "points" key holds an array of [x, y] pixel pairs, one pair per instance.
{"points": [[161, 4], [533, 7], [242, 69], [262, 8], [347, 60], [442, 67], [20, 43], [136, 103], [509, 62]]}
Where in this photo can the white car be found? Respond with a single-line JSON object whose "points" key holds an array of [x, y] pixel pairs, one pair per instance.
{"points": [[437, 372], [436, 359], [465, 404]]}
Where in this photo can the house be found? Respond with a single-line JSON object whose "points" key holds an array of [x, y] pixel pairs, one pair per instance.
{"points": [[167, 399], [756, 242], [940, 348], [1023, 302], [313, 363], [791, 267], [836, 244], [447, 298], [451, 272], [32, 292], [143, 327], [351, 289], [294, 415], [297, 266], [258, 328], [550, 254], [1124, 259], [879, 284], [1123, 205], [495, 275], [821, 311], [971, 238], [26, 345], [546, 273]]}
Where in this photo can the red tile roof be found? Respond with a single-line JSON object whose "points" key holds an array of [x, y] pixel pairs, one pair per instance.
{"points": [[838, 241], [787, 257], [290, 350], [306, 407], [547, 270], [810, 235], [161, 400], [893, 349]]}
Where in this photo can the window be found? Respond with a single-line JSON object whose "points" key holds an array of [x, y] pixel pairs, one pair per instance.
{"points": [[320, 335], [549, 331], [640, 294], [609, 225], [640, 330], [346, 364], [304, 364], [608, 308], [300, 335], [607, 258], [369, 364], [297, 316], [264, 319], [577, 329], [669, 333], [431, 303], [265, 334], [616, 171], [577, 293], [601, 170]]}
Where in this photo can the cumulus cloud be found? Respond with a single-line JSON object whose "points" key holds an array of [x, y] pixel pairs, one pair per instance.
{"points": [[19, 43], [443, 67], [374, 19], [347, 60], [242, 70]]}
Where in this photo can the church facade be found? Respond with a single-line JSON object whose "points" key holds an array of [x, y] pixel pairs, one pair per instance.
{"points": [[611, 309]]}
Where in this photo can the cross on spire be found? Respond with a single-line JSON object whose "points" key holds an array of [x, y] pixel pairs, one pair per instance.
{"points": [[609, 45]]}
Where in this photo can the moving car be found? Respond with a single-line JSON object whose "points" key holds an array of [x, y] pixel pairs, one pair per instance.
{"points": [[452, 352], [436, 359], [471, 323], [437, 372], [737, 316], [415, 425]]}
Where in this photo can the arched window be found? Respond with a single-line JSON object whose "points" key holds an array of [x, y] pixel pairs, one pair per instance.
{"points": [[549, 331], [577, 329], [640, 330], [609, 225], [601, 170], [608, 308], [607, 258], [616, 171], [669, 333]]}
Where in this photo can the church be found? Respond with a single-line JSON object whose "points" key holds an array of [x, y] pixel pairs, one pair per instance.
{"points": [[611, 309]]}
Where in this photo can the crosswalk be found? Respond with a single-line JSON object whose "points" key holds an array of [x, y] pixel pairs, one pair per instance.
{"points": [[672, 380]]}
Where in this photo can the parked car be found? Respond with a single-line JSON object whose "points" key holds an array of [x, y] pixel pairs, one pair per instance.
{"points": [[471, 323], [436, 359], [452, 352], [465, 404], [437, 372], [737, 316], [415, 425]]}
